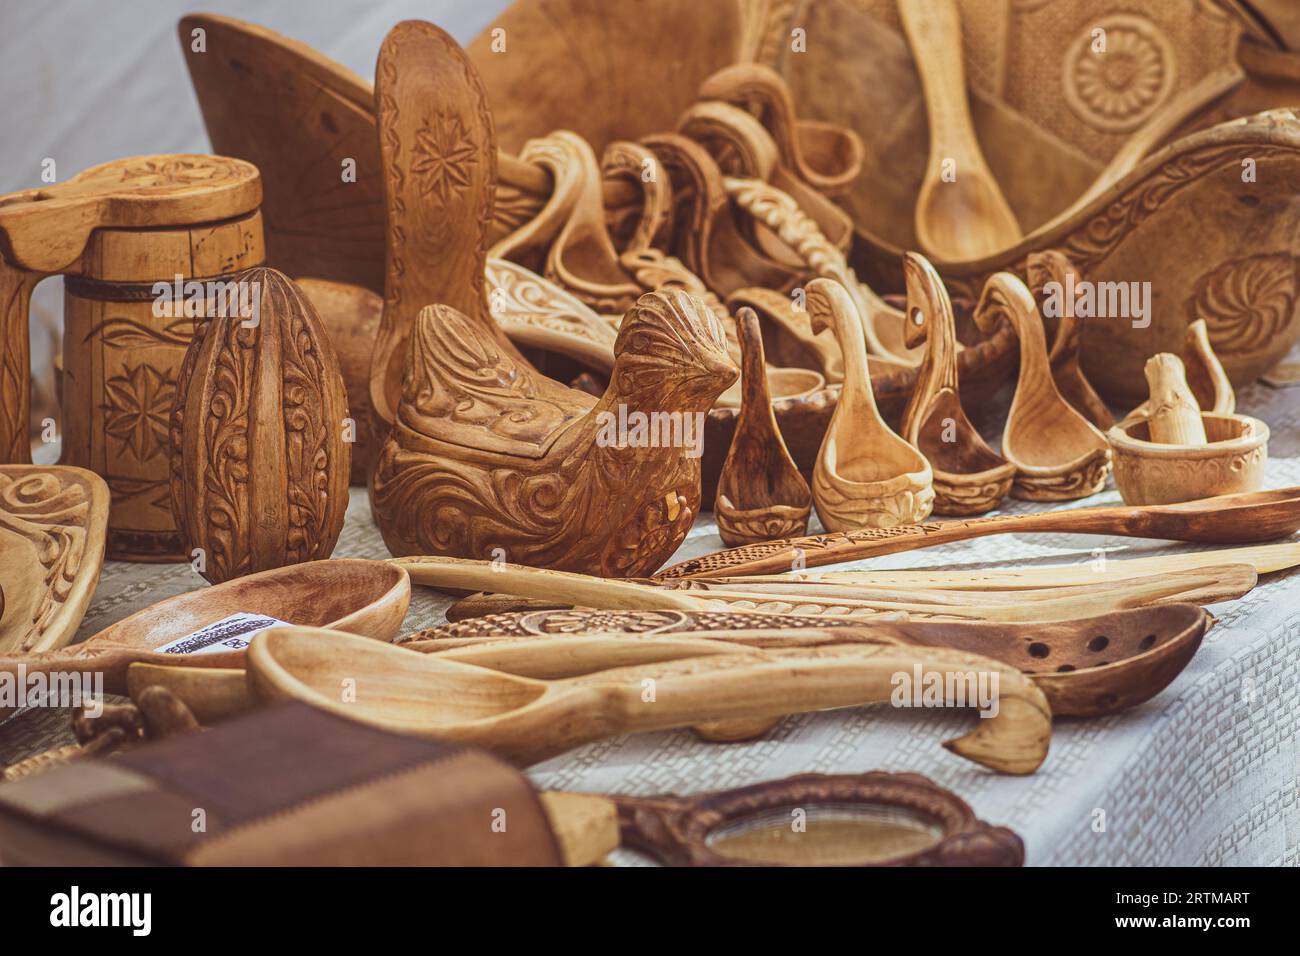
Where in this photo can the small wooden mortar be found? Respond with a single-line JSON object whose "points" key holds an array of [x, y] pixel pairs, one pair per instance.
{"points": [[1174, 452]]}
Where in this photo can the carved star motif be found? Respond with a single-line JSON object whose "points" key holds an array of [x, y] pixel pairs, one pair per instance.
{"points": [[444, 157], [138, 405]]}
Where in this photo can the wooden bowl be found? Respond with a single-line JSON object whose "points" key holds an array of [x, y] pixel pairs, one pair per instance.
{"points": [[1152, 474], [363, 597]]}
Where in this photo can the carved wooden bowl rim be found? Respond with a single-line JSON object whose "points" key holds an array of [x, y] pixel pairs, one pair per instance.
{"points": [[698, 816], [1251, 434]]}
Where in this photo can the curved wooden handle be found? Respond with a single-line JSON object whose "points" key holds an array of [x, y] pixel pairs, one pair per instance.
{"points": [[581, 590], [15, 363], [761, 86], [1013, 738]]}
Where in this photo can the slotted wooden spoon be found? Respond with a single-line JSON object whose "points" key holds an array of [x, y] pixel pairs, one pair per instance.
{"points": [[1086, 667]]}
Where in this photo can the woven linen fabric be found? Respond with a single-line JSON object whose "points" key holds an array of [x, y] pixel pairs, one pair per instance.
{"points": [[1205, 773]]}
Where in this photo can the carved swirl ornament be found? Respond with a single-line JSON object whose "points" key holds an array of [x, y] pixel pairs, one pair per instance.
{"points": [[52, 515]]}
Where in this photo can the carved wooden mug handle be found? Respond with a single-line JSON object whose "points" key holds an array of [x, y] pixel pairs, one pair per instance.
{"points": [[16, 286]]}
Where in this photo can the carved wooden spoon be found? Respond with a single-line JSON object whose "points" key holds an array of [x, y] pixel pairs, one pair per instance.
{"points": [[527, 720], [961, 214], [969, 477], [1227, 519], [1059, 455]]}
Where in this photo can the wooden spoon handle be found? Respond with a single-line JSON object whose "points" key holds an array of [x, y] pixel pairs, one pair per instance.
{"points": [[774, 557], [1012, 738], [933, 29], [582, 590]]}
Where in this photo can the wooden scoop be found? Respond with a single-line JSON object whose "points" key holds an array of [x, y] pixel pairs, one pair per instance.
{"points": [[1227, 519], [1053, 266], [866, 476], [761, 494], [1059, 455], [963, 215], [969, 477], [527, 720]]}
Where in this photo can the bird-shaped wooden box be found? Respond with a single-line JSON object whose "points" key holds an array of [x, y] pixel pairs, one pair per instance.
{"points": [[490, 459]]}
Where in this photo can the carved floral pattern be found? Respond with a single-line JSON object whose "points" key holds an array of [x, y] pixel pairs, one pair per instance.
{"points": [[1115, 89]]}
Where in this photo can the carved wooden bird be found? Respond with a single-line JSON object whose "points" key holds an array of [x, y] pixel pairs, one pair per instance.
{"points": [[489, 459]]}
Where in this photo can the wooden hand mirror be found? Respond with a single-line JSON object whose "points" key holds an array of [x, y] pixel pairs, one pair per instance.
{"points": [[870, 819]]}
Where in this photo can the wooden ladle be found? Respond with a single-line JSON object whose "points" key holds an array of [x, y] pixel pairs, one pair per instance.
{"points": [[526, 720], [761, 494], [961, 213], [1043, 270], [969, 477], [1059, 455], [866, 476], [1228, 519]]}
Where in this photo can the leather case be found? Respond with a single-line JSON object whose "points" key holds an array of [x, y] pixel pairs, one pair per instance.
{"points": [[286, 786]]}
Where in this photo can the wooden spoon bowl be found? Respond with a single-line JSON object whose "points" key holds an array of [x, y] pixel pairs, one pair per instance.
{"points": [[367, 598]]}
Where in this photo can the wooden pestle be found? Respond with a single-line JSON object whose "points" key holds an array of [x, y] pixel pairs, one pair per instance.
{"points": [[1174, 415]]}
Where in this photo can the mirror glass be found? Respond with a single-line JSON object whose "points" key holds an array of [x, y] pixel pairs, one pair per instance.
{"points": [[828, 834]]}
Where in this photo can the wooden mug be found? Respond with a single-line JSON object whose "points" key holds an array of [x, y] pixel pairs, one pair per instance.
{"points": [[125, 235]]}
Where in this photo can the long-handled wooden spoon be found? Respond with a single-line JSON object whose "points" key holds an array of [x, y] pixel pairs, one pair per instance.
{"points": [[1264, 558], [961, 213], [526, 720], [1228, 519], [1087, 667]]}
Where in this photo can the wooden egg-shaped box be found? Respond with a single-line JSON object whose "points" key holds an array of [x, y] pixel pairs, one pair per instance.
{"points": [[260, 437]]}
